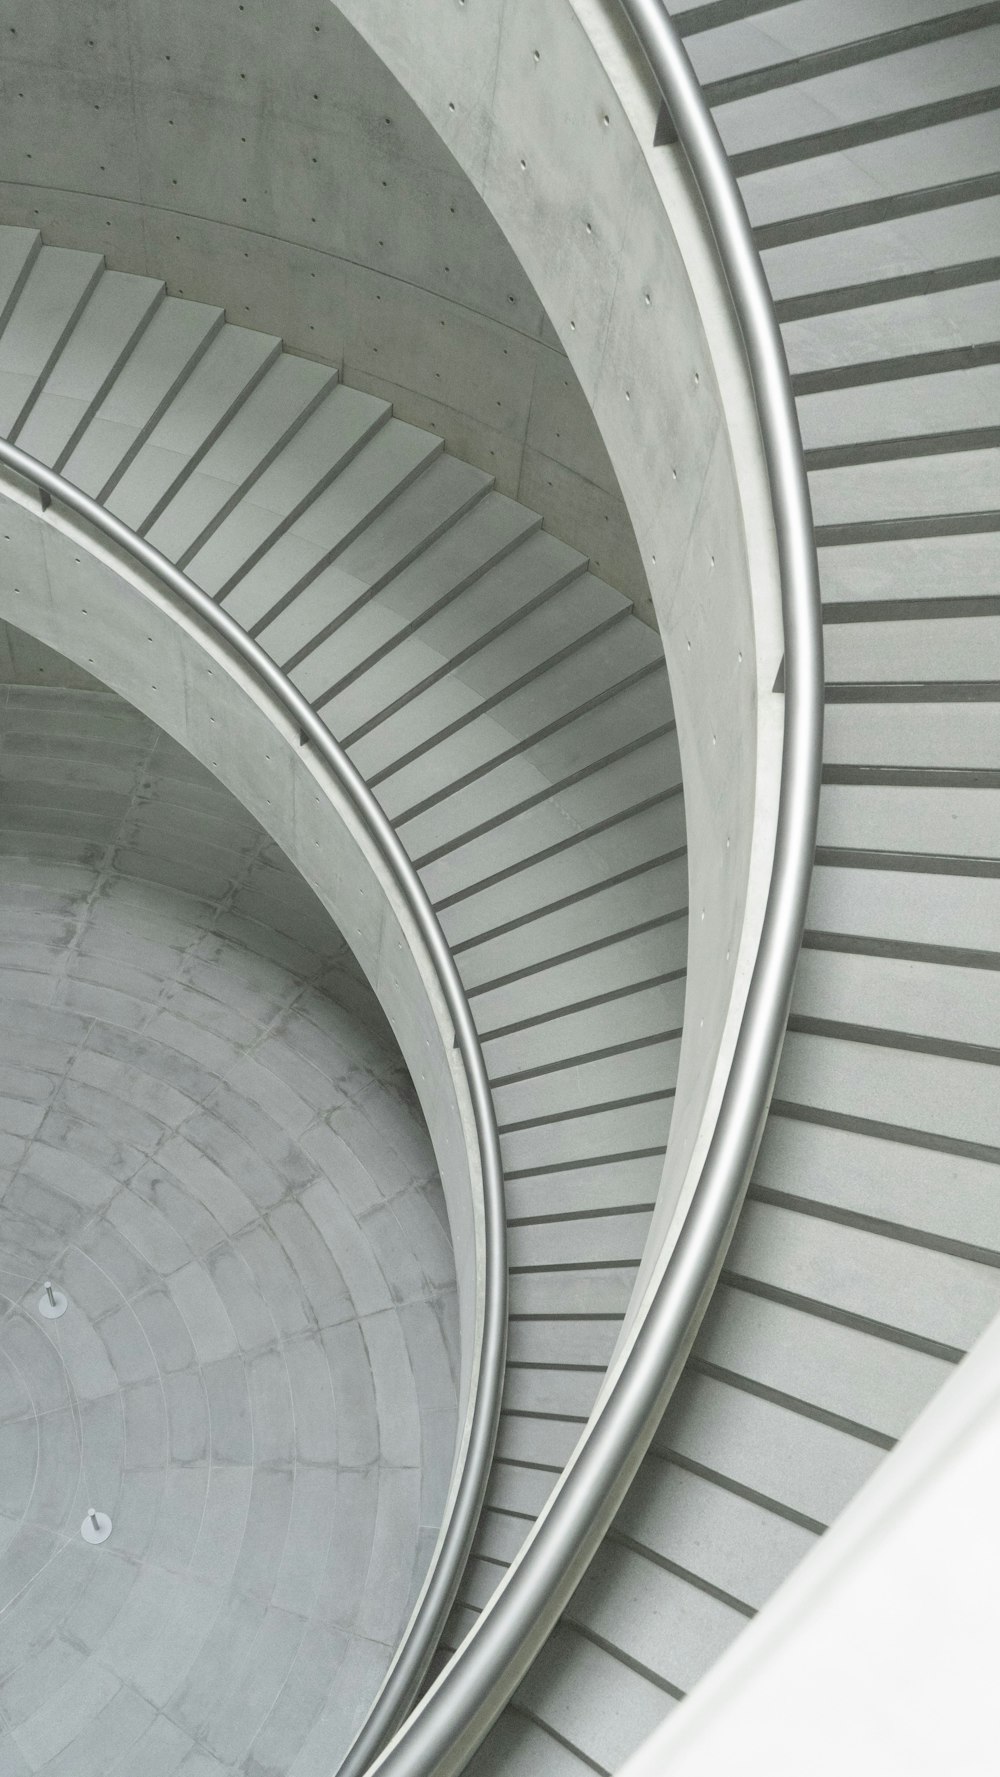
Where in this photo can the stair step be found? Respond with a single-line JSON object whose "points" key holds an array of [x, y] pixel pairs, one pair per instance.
{"points": [[111, 326], [285, 396], [551, 610], [177, 335], [51, 300], [570, 690], [391, 457], [19, 248], [943, 154], [312, 458], [201, 409], [625, 724], [335, 607], [931, 568], [864, 100]]}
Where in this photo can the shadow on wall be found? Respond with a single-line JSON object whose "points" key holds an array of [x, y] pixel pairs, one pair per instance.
{"points": [[208, 1138]]}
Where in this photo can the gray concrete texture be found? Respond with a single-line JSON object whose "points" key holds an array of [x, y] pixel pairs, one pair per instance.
{"points": [[209, 1140], [266, 160]]}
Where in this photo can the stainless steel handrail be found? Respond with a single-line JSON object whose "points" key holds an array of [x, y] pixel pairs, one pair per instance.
{"points": [[425, 1628], [443, 1731]]}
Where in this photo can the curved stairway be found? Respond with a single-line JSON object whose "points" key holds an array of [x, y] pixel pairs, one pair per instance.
{"points": [[513, 717], [509, 711], [867, 145]]}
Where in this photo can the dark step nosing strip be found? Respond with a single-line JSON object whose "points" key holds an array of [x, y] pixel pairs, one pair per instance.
{"points": [[666, 1564], [313, 493], [887, 1037], [525, 745], [546, 794], [903, 530], [260, 468], [570, 900], [913, 691], [628, 1660], [931, 777], [550, 1366], [473, 498], [588, 1160], [812, 65], [858, 1323], [872, 212], [939, 607], [22, 278], [606, 941], [794, 1403], [842, 138], [906, 863], [713, 13], [212, 436], [593, 1213], [165, 402], [769, 1504], [901, 949], [865, 373], [387, 498], [927, 282], [582, 837], [628, 1047], [496, 697], [69, 327], [535, 1413], [901, 1232], [506, 1511], [900, 1133], [517, 1707], [578, 1113], [555, 1268], [897, 450], [541, 597], [110, 378], [575, 1006], [523, 1462]]}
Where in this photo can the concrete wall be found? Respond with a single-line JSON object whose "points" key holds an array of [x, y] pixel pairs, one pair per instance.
{"points": [[261, 157]]}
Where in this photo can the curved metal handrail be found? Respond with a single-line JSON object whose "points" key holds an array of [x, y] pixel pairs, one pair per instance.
{"points": [[426, 1625], [441, 1734]]}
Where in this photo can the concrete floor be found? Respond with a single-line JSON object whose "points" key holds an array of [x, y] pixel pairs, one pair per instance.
{"points": [[208, 1141]]}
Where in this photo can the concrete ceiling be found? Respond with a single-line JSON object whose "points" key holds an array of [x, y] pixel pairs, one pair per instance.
{"points": [[263, 158]]}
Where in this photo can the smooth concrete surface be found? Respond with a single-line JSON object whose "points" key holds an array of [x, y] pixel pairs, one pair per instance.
{"points": [[209, 1140], [878, 1654], [267, 161]]}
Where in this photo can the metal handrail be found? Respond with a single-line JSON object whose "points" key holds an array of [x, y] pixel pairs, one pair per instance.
{"points": [[443, 1731], [427, 1623]]}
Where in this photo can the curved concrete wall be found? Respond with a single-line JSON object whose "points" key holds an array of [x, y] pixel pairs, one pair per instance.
{"points": [[209, 1141], [263, 158]]}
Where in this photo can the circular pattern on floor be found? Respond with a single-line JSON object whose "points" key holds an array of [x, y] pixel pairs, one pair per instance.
{"points": [[209, 1143]]}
